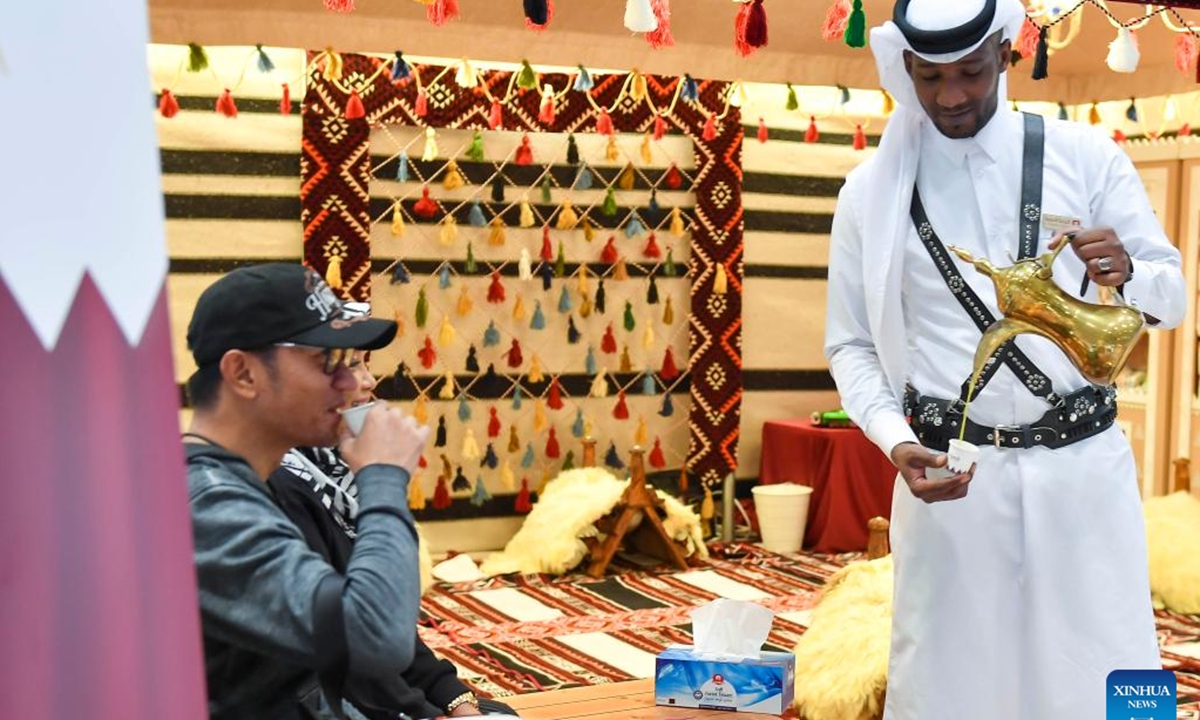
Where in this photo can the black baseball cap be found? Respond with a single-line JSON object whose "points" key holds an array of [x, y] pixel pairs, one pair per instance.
{"points": [[258, 305]]}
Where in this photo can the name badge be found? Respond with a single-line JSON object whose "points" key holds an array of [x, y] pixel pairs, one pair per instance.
{"points": [[1060, 223]]}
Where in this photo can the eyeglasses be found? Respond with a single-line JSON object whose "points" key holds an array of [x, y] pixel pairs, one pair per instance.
{"points": [[331, 358]]}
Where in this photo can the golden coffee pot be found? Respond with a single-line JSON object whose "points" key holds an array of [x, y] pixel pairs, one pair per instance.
{"points": [[1097, 338]]}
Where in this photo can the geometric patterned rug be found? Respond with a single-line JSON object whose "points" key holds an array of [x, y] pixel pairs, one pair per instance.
{"points": [[517, 634]]}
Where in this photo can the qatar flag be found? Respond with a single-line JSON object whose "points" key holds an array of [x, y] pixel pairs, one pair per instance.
{"points": [[98, 606]]}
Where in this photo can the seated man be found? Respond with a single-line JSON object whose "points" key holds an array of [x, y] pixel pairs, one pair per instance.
{"points": [[286, 634], [317, 490]]}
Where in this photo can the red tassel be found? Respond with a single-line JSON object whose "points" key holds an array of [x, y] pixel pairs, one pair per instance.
{"points": [[652, 250], [621, 411], [604, 123], [812, 134], [547, 251], [524, 153], [168, 106], [660, 127], [860, 138], [609, 254], [441, 496], [669, 371], [514, 355], [552, 449], [341, 6], [835, 20], [496, 289], [546, 116], [674, 178], [1185, 52], [756, 24], [739, 30], [554, 399], [285, 102], [522, 504], [493, 424], [354, 107], [496, 116], [425, 207], [225, 104], [661, 37], [657, 461], [762, 131], [1118, 136], [428, 354], [531, 25], [710, 127], [1184, 130], [1027, 41], [421, 463], [608, 344], [441, 12], [422, 104]]}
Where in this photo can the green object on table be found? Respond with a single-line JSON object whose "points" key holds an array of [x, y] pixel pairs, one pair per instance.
{"points": [[832, 419]]}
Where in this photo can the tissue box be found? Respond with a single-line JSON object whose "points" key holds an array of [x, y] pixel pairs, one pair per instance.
{"points": [[683, 678]]}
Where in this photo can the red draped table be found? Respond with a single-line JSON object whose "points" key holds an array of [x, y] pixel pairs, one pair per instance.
{"points": [[851, 479]]}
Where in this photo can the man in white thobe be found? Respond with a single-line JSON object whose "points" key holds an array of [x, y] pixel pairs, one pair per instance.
{"points": [[1017, 598]]}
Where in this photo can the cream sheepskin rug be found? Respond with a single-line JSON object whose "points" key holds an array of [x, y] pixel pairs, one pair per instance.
{"points": [[1173, 540], [842, 659], [551, 538], [424, 562]]}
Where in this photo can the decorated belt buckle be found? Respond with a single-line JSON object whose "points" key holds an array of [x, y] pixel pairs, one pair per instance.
{"points": [[996, 441]]}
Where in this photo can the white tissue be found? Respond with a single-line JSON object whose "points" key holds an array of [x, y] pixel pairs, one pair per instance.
{"points": [[460, 568], [731, 628]]}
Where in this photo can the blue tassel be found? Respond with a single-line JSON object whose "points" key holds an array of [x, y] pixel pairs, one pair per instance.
{"points": [[583, 81], [538, 321], [475, 216], [491, 336], [667, 409], [1131, 113], [400, 68], [569, 461], [600, 297], [472, 360], [444, 277], [402, 167], [583, 178], [516, 397], [464, 408], [461, 482], [652, 292], [527, 458], [577, 426], [634, 227], [481, 494], [612, 459], [264, 61], [845, 93], [653, 211], [689, 91], [400, 275], [1062, 112], [440, 438], [572, 331], [547, 274], [489, 457], [649, 387], [564, 301], [591, 361]]}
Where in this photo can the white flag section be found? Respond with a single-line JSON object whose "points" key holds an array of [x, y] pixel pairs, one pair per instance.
{"points": [[80, 184], [99, 615]]}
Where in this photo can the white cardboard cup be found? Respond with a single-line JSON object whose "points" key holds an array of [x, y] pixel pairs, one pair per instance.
{"points": [[782, 515], [962, 456], [355, 417]]}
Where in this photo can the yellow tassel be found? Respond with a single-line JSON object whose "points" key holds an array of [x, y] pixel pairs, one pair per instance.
{"points": [[397, 219], [567, 217], [583, 279], [599, 387], [627, 178], [535, 370], [1094, 115], [449, 232], [721, 282], [611, 151], [889, 105], [507, 479], [641, 437], [496, 236], [398, 317], [447, 334], [416, 494], [464, 303], [539, 416], [589, 229], [648, 335], [587, 427], [637, 89], [470, 446], [421, 409], [707, 511], [447, 391], [647, 151], [676, 222], [333, 65], [620, 272], [431, 146], [585, 306], [626, 363], [526, 214], [668, 312], [519, 308], [547, 476], [514, 442], [333, 273], [452, 179]]}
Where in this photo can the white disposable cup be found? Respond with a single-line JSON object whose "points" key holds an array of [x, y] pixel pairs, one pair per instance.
{"points": [[355, 417], [782, 512], [962, 456], [938, 473]]}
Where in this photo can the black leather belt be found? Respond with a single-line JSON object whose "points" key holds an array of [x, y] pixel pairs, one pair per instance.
{"points": [[1081, 414]]}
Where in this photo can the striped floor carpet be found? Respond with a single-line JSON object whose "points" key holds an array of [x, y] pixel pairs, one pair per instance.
{"points": [[527, 633]]}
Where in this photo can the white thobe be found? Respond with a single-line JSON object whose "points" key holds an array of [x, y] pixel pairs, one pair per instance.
{"points": [[1018, 600]]}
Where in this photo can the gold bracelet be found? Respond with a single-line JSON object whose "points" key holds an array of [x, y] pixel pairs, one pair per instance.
{"points": [[467, 698]]}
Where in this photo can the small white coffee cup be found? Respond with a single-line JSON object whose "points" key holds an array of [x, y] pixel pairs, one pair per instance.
{"points": [[355, 417], [962, 456], [937, 473]]}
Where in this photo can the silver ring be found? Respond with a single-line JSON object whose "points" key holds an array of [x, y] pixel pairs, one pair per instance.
{"points": [[1104, 264]]}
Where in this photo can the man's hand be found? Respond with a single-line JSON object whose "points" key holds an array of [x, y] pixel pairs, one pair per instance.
{"points": [[466, 710], [1101, 251], [388, 437], [912, 459]]}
